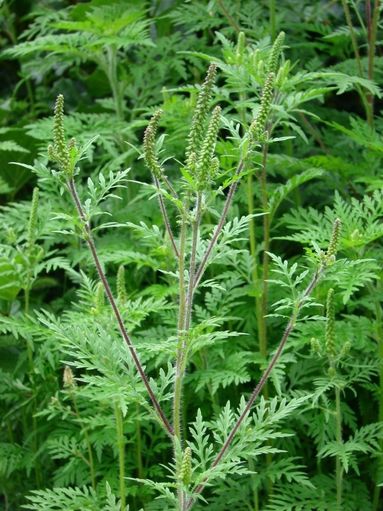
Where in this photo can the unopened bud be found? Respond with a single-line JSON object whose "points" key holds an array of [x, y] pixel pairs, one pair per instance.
{"points": [[150, 156], [200, 114], [275, 53], [334, 240], [99, 299], [121, 289], [257, 127], [186, 467]]}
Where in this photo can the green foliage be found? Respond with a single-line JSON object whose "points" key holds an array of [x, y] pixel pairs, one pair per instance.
{"points": [[291, 123]]}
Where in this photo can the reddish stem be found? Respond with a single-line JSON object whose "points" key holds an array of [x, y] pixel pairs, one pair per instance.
{"points": [[116, 311]]}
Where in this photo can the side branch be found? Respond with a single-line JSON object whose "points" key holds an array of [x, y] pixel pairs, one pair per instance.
{"points": [[166, 218], [92, 247], [221, 223], [289, 328]]}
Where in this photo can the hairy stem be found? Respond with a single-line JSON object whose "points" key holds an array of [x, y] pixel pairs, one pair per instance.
{"points": [[289, 328], [92, 247], [180, 329], [177, 399], [192, 265], [339, 468], [165, 217], [140, 468], [121, 452], [87, 439]]}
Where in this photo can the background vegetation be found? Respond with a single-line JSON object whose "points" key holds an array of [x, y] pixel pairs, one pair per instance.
{"points": [[76, 429]]}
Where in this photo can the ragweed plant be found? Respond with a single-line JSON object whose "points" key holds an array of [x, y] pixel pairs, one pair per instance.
{"points": [[200, 175], [90, 437]]}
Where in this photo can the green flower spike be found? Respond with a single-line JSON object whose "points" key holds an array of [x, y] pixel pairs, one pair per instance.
{"points": [[99, 299], [205, 161], [275, 53], [121, 288], [150, 156], [186, 467], [201, 111], [65, 155], [257, 127], [241, 45], [334, 241]]}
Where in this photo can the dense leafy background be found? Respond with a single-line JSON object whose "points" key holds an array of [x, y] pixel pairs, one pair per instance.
{"points": [[115, 62]]}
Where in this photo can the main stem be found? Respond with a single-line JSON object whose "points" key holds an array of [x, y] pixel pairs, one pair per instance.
{"points": [[92, 247], [180, 331], [192, 265], [186, 307], [186, 303], [289, 328], [177, 400]]}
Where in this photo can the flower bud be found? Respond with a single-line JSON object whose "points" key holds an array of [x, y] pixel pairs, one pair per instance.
{"points": [[186, 467], [203, 169], [334, 240], [257, 127], [200, 114], [121, 289], [241, 45], [99, 299], [150, 156], [275, 53]]}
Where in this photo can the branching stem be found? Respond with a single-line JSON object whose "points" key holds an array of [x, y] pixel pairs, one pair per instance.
{"points": [[92, 247], [165, 217], [289, 328]]}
